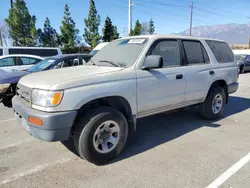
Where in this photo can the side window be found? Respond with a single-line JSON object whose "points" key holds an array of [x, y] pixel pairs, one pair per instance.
{"points": [[19, 51], [35, 51], [34, 61], [70, 62], [221, 50], [81, 61], [205, 55], [195, 52], [169, 51], [28, 61], [1, 52], [24, 61], [10, 61]]}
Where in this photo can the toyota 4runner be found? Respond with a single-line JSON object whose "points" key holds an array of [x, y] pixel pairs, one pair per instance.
{"points": [[97, 105]]}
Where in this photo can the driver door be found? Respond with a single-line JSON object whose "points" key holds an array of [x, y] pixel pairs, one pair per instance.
{"points": [[163, 88]]}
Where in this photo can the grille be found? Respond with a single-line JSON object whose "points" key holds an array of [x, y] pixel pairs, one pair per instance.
{"points": [[23, 93]]}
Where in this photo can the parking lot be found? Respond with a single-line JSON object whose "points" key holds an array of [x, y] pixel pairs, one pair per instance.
{"points": [[168, 150]]}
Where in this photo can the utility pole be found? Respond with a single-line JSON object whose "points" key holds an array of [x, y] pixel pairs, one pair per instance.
{"points": [[11, 3], [191, 19], [129, 15]]}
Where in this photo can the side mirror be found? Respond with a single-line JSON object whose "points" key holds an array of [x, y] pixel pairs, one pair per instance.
{"points": [[152, 62], [248, 60]]}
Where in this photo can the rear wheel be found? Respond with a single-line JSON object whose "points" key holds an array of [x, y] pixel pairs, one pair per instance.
{"points": [[213, 106], [101, 135]]}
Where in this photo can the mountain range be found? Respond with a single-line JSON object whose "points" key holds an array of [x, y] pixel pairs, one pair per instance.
{"points": [[231, 33]]}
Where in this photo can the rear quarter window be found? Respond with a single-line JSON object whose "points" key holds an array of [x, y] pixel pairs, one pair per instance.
{"points": [[221, 51]]}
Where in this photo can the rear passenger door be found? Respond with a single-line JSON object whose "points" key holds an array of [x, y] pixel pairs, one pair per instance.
{"points": [[198, 67]]}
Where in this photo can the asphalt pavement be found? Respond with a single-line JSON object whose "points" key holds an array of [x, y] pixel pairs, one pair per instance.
{"points": [[178, 150]]}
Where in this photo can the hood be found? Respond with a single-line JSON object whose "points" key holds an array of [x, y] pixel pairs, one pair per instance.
{"points": [[47, 79], [11, 77]]}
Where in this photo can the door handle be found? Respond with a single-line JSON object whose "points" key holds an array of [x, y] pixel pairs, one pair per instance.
{"points": [[211, 72], [179, 76]]}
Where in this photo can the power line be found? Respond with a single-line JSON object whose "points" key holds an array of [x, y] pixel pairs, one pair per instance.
{"points": [[169, 18], [162, 4]]}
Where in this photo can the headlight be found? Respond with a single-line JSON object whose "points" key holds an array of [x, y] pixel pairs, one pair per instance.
{"points": [[45, 98], [4, 87]]}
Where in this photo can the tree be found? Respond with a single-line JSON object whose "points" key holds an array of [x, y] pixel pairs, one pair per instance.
{"points": [[151, 27], [138, 28], [21, 25], [69, 33], [48, 37], [108, 30], [92, 23], [116, 35], [131, 33]]}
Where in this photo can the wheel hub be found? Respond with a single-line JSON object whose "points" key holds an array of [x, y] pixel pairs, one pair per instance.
{"points": [[217, 103], [106, 136]]}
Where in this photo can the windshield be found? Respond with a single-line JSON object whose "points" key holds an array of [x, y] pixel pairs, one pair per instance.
{"points": [[239, 57], [123, 52], [42, 65]]}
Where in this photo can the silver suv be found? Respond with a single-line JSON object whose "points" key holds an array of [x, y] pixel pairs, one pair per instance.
{"points": [[97, 105]]}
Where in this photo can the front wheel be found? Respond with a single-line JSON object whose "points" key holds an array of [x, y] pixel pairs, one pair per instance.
{"points": [[101, 135], [213, 106]]}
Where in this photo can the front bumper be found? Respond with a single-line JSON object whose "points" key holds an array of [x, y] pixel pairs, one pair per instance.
{"points": [[233, 87], [56, 126]]}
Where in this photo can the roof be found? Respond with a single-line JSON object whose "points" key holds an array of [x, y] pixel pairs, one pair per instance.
{"points": [[171, 36], [21, 55]]}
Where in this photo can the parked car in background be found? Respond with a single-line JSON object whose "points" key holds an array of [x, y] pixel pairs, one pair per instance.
{"points": [[38, 51], [8, 81], [97, 105], [18, 62], [243, 62], [98, 48]]}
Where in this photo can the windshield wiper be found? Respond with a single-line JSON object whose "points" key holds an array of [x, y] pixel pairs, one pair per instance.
{"points": [[111, 62]]}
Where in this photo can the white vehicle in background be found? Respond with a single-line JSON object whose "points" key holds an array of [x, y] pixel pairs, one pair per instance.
{"points": [[18, 62], [38, 51], [98, 48]]}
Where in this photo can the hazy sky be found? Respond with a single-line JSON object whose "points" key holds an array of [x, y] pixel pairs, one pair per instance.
{"points": [[169, 15]]}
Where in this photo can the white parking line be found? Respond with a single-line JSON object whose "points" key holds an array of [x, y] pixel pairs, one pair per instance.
{"points": [[231, 171], [7, 120], [33, 170]]}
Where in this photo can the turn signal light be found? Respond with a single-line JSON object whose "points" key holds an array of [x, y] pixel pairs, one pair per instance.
{"points": [[35, 121]]}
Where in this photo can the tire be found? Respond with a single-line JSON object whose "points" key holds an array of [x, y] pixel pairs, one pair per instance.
{"points": [[86, 135], [241, 69], [206, 108]]}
